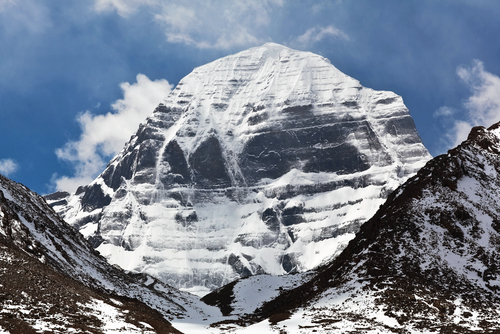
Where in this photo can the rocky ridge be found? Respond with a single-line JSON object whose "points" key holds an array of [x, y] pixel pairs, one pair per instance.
{"points": [[266, 161]]}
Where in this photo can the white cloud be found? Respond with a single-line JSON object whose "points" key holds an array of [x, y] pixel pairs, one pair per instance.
{"points": [[104, 135], [8, 167], [179, 23], [484, 104], [444, 111], [239, 36], [316, 34], [221, 24], [5, 3], [24, 16], [460, 132], [482, 107], [205, 24], [122, 7]]}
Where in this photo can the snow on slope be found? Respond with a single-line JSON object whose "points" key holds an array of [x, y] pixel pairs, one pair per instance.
{"points": [[266, 161], [35, 298], [45, 251], [427, 262]]}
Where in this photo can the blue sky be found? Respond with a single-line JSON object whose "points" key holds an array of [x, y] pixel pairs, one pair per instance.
{"points": [[76, 77]]}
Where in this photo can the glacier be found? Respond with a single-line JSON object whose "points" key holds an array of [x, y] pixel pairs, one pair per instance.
{"points": [[265, 161]]}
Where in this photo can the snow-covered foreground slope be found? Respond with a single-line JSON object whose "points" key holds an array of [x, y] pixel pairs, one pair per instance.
{"points": [[266, 161], [52, 279], [35, 298], [427, 262]]}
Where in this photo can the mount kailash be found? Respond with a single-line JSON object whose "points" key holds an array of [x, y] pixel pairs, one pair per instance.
{"points": [[266, 161]]}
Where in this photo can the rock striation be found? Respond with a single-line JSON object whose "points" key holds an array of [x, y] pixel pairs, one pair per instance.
{"points": [[266, 161]]}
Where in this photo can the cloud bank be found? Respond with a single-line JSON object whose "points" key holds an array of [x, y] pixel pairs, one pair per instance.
{"points": [[219, 24], [482, 107], [104, 135], [8, 167], [204, 24]]}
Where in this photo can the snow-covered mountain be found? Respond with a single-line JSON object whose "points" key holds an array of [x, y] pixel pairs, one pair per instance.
{"points": [[266, 161], [427, 262], [52, 280]]}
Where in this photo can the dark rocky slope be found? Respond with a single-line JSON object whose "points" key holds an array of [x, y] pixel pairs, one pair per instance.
{"points": [[52, 280], [36, 298]]}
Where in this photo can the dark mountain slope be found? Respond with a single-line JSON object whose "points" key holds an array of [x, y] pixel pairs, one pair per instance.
{"points": [[36, 298], [428, 261], [52, 280]]}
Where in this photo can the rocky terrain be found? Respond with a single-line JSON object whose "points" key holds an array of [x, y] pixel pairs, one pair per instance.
{"points": [[427, 262], [53, 281], [266, 161]]}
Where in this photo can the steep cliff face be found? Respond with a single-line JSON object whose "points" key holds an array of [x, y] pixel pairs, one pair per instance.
{"points": [[428, 261], [266, 161]]}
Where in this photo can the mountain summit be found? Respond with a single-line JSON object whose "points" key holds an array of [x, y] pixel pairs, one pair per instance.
{"points": [[266, 161]]}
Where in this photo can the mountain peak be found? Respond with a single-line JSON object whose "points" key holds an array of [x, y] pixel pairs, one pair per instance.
{"points": [[273, 47], [266, 161], [486, 138], [275, 50]]}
